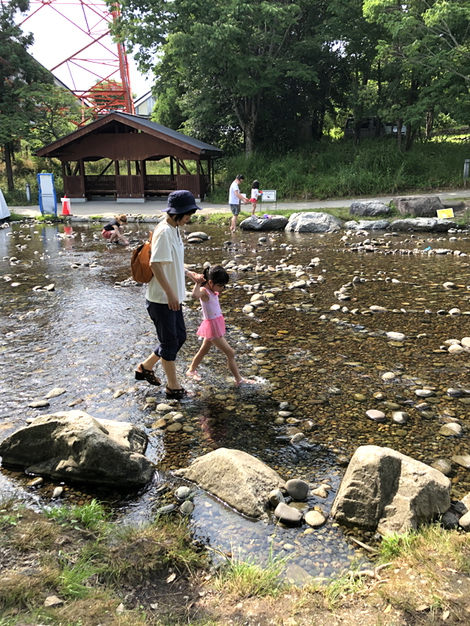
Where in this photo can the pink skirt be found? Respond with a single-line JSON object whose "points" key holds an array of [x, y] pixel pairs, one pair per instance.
{"points": [[212, 329]]}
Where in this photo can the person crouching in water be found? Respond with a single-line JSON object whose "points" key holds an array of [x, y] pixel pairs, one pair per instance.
{"points": [[113, 230], [212, 329]]}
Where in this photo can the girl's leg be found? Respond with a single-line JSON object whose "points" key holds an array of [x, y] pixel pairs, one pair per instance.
{"points": [[253, 208], [203, 350], [223, 346]]}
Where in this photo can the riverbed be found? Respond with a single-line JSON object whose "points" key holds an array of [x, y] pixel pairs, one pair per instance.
{"points": [[70, 318]]}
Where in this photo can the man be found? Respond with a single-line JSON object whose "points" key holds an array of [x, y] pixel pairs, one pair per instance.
{"points": [[234, 199]]}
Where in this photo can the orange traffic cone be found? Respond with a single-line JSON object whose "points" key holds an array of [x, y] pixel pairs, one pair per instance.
{"points": [[65, 206]]}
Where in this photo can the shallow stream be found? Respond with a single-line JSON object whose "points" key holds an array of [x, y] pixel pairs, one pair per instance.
{"points": [[90, 329]]}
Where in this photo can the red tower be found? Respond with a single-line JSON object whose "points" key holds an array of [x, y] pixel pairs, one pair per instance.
{"points": [[73, 40]]}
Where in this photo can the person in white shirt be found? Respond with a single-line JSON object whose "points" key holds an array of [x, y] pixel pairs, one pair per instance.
{"points": [[166, 291], [234, 200]]}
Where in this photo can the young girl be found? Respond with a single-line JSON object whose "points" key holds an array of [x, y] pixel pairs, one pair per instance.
{"points": [[212, 329], [255, 194]]}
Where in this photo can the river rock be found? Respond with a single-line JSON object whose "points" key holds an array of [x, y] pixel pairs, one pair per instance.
{"points": [[239, 479], [376, 416], [420, 206], [462, 459], [313, 223], [275, 497], [423, 224], [400, 417], [187, 507], [297, 489], [388, 491], [396, 336], [287, 514], [314, 519], [443, 465], [366, 225], [276, 222], [369, 208], [464, 521], [451, 430], [74, 445], [54, 393]]}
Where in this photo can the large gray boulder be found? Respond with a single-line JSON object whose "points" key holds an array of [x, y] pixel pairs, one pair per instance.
{"points": [[420, 206], [370, 208], [424, 225], [276, 222], [388, 491], [313, 223], [367, 225], [73, 445], [239, 479]]}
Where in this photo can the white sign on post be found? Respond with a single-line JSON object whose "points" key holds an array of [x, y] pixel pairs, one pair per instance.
{"points": [[269, 195]]}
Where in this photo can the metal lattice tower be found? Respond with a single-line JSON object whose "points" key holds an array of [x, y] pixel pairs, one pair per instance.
{"points": [[75, 37]]}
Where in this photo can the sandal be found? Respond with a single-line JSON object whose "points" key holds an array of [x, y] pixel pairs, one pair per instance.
{"points": [[175, 394], [147, 375]]}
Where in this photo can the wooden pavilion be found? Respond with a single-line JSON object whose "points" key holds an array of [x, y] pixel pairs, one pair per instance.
{"points": [[127, 143]]}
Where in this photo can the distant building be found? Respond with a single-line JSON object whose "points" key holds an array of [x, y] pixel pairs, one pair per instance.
{"points": [[144, 105]]}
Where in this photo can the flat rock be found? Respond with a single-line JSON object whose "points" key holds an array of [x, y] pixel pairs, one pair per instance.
{"points": [[287, 514]]}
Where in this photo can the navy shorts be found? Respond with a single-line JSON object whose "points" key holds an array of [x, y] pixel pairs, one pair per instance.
{"points": [[235, 208], [171, 330]]}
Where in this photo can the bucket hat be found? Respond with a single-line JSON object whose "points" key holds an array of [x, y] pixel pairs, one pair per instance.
{"points": [[181, 201]]}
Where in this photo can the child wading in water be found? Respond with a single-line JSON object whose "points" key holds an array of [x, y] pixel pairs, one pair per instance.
{"points": [[212, 329], [255, 194]]}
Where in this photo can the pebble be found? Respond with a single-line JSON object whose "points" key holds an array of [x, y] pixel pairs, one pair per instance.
{"points": [[58, 491], [443, 465], [35, 482], [163, 510], [320, 492], [424, 393], [400, 417], [377, 416], [275, 497], [162, 408], [53, 601], [187, 507], [388, 376], [451, 430], [37, 404], [174, 427], [456, 349], [182, 493], [53, 393], [297, 488], [396, 336], [462, 459], [314, 519], [287, 514]]}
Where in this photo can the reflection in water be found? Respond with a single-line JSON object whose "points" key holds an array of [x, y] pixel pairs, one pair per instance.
{"points": [[325, 365]]}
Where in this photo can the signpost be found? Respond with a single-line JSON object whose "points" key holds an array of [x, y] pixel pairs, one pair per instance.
{"points": [[269, 195]]}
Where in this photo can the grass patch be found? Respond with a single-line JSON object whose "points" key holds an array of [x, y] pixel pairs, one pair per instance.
{"points": [[245, 578], [92, 515]]}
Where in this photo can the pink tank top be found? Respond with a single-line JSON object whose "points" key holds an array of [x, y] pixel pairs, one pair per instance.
{"points": [[211, 308]]}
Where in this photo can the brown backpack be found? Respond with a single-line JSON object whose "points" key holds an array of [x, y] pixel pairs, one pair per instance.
{"points": [[140, 262]]}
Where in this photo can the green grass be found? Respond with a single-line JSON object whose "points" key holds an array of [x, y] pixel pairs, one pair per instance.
{"points": [[92, 516], [245, 578]]}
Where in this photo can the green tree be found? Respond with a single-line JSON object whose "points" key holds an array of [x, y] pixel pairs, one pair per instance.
{"points": [[18, 73], [426, 45], [226, 51]]}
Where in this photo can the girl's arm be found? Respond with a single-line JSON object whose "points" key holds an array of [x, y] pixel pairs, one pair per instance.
{"points": [[200, 293]]}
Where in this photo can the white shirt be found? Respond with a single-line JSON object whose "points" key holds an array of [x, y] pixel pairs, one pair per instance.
{"points": [[255, 194], [232, 198], [168, 249]]}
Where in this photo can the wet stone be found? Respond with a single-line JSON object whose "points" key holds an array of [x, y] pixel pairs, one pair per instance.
{"points": [[287, 514], [400, 417], [297, 489], [314, 519]]}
